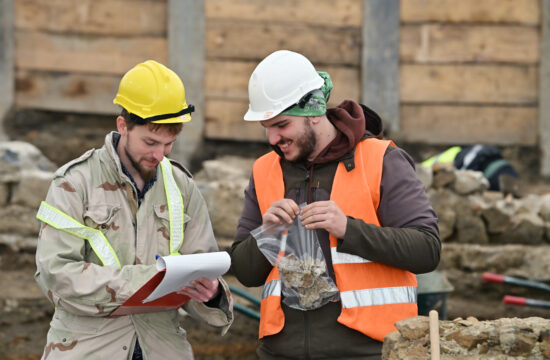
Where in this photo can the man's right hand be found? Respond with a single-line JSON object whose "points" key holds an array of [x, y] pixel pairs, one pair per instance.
{"points": [[282, 211]]}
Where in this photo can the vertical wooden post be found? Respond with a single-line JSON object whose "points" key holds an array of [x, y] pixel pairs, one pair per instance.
{"points": [[380, 60], [6, 62], [544, 90], [186, 56]]}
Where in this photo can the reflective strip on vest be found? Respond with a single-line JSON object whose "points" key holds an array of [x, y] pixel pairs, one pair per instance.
{"points": [[381, 296], [344, 258], [448, 156], [61, 221], [470, 156], [272, 288], [493, 167], [175, 207]]}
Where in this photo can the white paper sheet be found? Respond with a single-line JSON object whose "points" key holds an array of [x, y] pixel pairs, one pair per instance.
{"points": [[181, 269]]}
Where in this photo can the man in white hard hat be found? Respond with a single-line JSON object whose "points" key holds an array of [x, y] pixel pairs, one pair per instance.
{"points": [[370, 212], [106, 217]]}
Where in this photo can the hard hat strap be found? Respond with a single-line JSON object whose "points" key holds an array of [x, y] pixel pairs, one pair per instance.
{"points": [[142, 121]]}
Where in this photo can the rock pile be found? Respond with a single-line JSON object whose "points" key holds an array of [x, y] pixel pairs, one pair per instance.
{"points": [[222, 182], [470, 214], [25, 176], [471, 339], [487, 231]]}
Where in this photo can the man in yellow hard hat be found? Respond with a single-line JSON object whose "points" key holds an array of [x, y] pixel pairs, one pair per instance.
{"points": [[108, 214]]}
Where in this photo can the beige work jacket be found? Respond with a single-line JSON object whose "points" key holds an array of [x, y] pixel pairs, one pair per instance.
{"points": [[94, 191]]}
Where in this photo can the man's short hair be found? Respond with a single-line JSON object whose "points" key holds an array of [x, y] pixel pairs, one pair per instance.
{"points": [[130, 119]]}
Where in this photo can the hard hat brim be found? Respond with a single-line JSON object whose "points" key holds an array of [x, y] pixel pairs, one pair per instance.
{"points": [[260, 115]]}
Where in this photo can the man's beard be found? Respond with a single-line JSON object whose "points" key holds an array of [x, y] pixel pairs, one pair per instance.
{"points": [[305, 143], [146, 175]]}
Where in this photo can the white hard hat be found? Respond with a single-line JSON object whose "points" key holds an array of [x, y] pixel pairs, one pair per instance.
{"points": [[278, 82]]}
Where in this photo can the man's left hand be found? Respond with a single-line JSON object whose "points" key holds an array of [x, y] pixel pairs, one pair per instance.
{"points": [[324, 215], [203, 289]]}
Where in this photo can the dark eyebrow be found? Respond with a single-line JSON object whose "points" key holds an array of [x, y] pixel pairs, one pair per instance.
{"points": [[275, 123], [147, 138]]}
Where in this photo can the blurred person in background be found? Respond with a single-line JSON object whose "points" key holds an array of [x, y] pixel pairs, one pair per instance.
{"points": [[108, 213], [373, 219], [487, 159]]}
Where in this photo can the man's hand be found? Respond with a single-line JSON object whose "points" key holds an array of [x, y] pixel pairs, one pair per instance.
{"points": [[284, 210], [203, 291], [325, 215]]}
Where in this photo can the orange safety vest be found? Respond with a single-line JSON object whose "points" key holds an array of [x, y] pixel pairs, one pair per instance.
{"points": [[374, 296]]}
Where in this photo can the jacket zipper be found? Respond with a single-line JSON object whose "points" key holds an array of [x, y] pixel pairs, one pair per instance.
{"points": [[134, 199]]}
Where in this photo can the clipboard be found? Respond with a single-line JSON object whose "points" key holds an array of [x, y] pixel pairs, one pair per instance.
{"points": [[135, 305], [159, 293]]}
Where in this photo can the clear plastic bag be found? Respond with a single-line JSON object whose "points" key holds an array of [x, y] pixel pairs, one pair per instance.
{"points": [[297, 254]]}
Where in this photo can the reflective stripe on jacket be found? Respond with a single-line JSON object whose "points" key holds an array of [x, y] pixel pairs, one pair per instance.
{"points": [[99, 243], [374, 296], [448, 156]]}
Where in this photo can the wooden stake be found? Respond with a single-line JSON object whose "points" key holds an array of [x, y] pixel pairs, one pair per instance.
{"points": [[434, 334]]}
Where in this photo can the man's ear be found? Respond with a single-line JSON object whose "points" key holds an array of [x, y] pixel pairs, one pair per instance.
{"points": [[315, 119], [121, 126]]}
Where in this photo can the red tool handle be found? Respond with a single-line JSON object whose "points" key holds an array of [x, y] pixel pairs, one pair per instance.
{"points": [[493, 277], [514, 300]]}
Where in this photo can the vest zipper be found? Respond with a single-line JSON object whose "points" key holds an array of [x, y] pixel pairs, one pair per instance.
{"points": [[303, 186], [309, 180]]}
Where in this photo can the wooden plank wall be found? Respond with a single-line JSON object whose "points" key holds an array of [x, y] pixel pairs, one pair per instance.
{"points": [[70, 55], [469, 71]]}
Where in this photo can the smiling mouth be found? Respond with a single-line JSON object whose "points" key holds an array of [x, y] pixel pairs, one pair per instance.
{"points": [[283, 145]]}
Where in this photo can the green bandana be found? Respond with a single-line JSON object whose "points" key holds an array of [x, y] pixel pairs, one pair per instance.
{"points": [[314, 103]]}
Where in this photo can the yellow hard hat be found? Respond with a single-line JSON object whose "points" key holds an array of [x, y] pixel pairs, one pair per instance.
{"points": [[154, 93]]}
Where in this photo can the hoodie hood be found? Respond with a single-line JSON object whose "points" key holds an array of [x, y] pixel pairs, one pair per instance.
{"points": [[353, 122]]}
